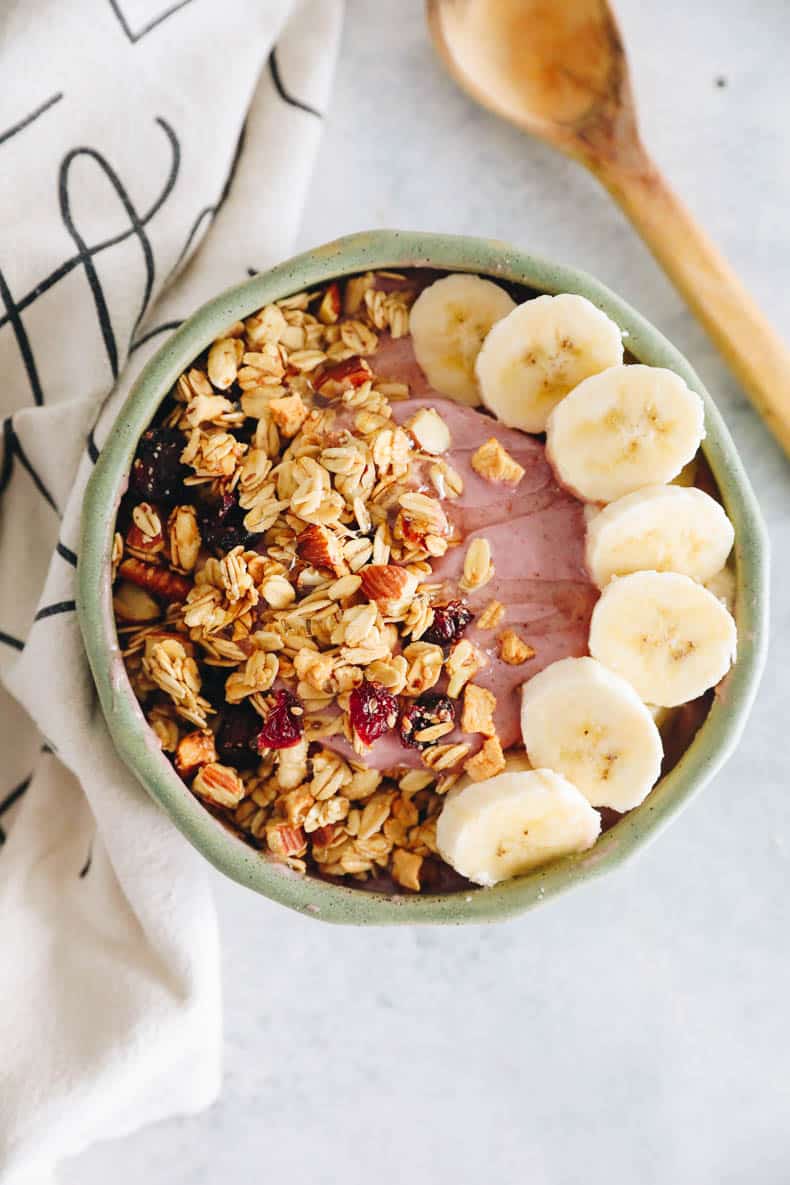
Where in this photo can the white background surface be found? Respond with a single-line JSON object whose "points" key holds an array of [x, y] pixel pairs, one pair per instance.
{"points": [[636, 1031]]}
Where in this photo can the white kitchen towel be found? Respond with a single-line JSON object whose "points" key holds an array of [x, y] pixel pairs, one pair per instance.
{"points": [[151, 153]]}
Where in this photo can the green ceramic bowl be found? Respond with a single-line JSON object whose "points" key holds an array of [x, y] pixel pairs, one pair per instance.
{"points": [[132, 736]]}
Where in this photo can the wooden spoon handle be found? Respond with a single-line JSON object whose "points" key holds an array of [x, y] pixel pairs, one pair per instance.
{"points": [[754, 351]]}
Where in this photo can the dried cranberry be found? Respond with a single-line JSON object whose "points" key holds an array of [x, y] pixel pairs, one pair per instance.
{"points": [[373, 711], [222, 526], [424, 713], [283, 727], [449, 623], [157, 472], [237, 736], [212, 684]]}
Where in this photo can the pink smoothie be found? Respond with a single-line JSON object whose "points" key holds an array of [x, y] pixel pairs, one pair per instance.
{"points": [[536, 535]]}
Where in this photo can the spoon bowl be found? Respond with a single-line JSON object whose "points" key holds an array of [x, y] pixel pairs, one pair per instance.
{"points": [[558, 70]]}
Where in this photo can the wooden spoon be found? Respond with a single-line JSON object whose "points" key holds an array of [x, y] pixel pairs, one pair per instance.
{"points": [[557, 69]]}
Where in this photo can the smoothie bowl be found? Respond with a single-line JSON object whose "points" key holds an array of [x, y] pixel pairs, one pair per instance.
{"points": [[420, 580]]}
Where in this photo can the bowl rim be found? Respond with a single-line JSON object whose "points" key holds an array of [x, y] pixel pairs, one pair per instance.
{"points": [[133, 739]]}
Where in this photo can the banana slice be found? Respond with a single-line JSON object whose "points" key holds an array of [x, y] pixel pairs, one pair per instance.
{"points": [[661, 716], [490, 831], [589, 725], [687, 475], [449, 322], [533, 357], [668, 636], [723, 586], [662, 529], [625, 428]]}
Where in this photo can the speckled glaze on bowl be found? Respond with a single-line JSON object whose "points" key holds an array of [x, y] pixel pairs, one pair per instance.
{"points": [[131, 734]]}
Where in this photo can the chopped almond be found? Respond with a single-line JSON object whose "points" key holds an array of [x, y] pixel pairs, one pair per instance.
{"points": [[288, 413], [430, 431], [195, 749], [219, 784], [513, 649], [463, 661], [321, 547], [493, 462], [406, 868], [329, 308], [478, 710], [285, 840], [388, 585], [296, 804], [489, 762]]}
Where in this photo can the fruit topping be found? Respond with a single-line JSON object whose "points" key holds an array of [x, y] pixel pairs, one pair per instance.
{"points": [[449, 623], [222, 525], [373, 711], [157, 472], [283, 726], [237, 736], [424, 713]]}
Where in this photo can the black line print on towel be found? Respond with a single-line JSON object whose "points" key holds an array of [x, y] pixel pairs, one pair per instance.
{"points": [[31, 118], [7, 465], [88, 861], [209, 211], [66, 554], [135, 36], [54, 610], [22, 340], [11, 798], [93, 448], [90, 444], [284, 94], [12, 449], [86, 254], [167, 325]]}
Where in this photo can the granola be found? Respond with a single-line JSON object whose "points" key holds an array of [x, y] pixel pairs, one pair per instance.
{"points": [[276, 595]]}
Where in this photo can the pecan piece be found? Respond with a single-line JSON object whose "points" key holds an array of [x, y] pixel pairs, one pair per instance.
{"points": [[323, 836], [351, 372], [167, 586]]}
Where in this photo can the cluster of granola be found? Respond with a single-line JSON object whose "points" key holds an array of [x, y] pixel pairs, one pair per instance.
{"points": [[273, 589]]}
